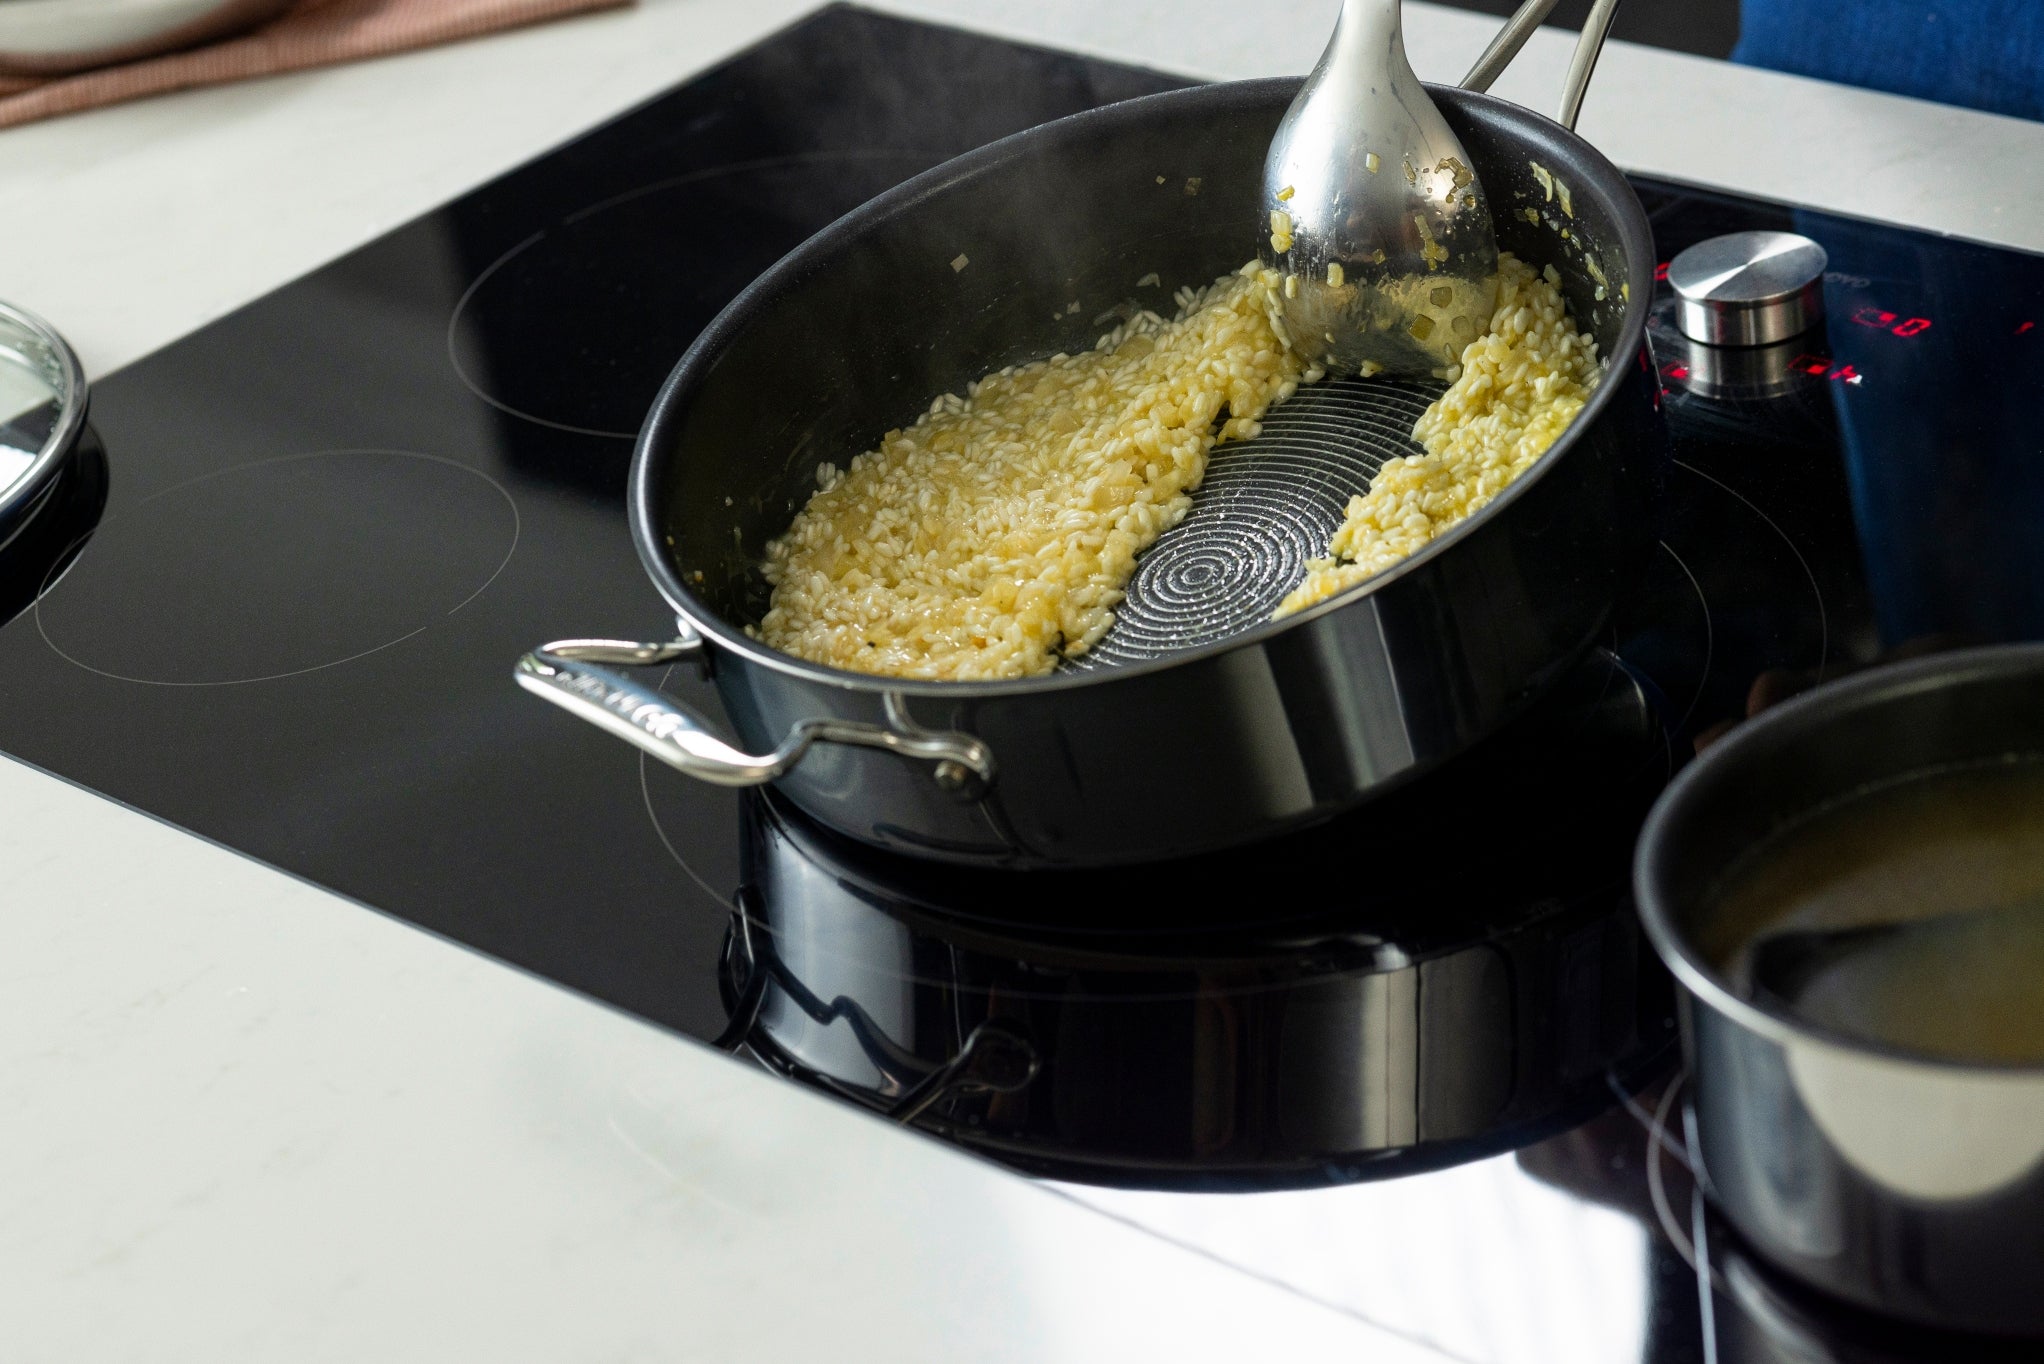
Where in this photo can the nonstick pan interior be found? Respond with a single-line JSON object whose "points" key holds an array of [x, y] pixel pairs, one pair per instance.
{"points": [[1058, 231], [1266, 507]]}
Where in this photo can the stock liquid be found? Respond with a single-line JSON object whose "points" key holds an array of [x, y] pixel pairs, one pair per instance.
{"points": [[1968, 988]]}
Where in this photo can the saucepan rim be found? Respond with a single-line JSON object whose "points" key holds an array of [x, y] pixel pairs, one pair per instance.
{"points": [[697, 361], [1823, 707]]}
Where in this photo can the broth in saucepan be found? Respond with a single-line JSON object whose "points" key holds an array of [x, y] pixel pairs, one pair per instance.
{"points": [[1964, 842]]}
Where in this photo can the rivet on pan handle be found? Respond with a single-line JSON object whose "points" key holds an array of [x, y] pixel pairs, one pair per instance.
{"points": [[569, 674]]}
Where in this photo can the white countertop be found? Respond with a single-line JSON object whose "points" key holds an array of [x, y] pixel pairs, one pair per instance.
{"points": [[251, 1120]]}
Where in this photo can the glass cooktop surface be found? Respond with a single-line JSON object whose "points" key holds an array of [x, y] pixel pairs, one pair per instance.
{"points": [[1416, 1063]]}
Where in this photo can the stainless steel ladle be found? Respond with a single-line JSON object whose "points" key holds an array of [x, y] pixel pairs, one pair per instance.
{"points": [[1377, 219]]}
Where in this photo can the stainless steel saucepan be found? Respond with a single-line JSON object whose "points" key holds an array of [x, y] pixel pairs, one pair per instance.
{"points": [[1198, 721], [1909, 1184]]}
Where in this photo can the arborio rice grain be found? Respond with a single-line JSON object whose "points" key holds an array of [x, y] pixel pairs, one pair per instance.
{"points": [[995, 536]]}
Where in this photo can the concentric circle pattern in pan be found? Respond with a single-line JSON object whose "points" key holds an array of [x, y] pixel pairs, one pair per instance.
{"points": [[1266, 507]]}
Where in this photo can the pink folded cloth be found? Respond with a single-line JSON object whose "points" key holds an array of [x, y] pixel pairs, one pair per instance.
{"points": [[313, 33]]}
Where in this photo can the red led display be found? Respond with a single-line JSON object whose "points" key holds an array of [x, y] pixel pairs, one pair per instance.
{"points": [[1880, 319], [1661, 272], [2025, 327], [1817, 366], [1821, 367]]}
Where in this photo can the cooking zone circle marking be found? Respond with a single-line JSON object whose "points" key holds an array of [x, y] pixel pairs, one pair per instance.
{"points": [[1709, 639], [599, 367], [1816, 592], [325, 534], [1660, 1148], [694, 791]]}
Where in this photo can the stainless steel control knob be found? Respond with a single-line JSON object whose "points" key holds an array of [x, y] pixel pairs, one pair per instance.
{"points": [[1748, 288]]}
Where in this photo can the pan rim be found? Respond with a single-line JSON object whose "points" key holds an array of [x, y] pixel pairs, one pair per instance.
{"points": [[714, 339]]}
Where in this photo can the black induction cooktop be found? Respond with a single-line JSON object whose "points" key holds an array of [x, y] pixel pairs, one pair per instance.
{"points": [[1416, 1062]]}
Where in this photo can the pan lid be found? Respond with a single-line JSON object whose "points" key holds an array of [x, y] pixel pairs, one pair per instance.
{"points": [[42, 412]]}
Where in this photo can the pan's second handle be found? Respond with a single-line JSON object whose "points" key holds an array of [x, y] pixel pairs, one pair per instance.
{"points": [[1584, 63], [1506, 45], [570, 674], [1520, 27]]}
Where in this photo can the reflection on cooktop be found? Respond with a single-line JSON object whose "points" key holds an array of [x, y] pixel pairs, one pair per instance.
{"points": [[284, 566], [1757, 1314], [50, 534], [1412, 984]]}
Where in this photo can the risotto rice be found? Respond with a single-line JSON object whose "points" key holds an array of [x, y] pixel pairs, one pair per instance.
{"points": [[995, 537]]}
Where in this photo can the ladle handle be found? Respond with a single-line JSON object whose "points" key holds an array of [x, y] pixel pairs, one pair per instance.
{"points": [[1519, 28]]}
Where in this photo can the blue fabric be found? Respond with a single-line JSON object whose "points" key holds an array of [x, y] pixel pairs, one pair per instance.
{"points": [[1985, 54]]}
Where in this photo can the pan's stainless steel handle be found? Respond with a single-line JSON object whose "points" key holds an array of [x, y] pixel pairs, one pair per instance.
{"points": [[1519, 28], [1506, 45], [570, 673], [1584, 63]]}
